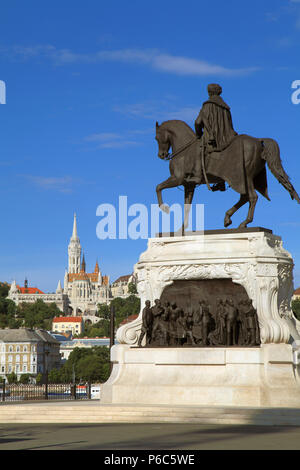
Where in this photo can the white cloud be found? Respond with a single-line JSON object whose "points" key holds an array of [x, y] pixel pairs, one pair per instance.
{"points": [[63, 184], [164, 110], [113, 140], [153, 58]]}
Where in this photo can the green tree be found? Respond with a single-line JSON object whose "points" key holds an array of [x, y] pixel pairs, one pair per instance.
{"points": [[39, 378], [88, 364], [125, 308], [103, 311], [37, 314], [132, 288], [24, 379], [296, 308], [54, 376], [4, 289], [12, 378]]}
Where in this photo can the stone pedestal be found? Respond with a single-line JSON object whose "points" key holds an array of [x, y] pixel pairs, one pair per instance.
{"points": [[258, 376]]}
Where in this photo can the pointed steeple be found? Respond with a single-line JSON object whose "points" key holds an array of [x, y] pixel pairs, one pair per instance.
{"points": [[83, 266], [13, 287], [74, 234], [74, 250], [96, 270], [59, 288]]}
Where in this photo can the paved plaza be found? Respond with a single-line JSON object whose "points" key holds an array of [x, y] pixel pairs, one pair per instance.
{"points": [[166, 437]]}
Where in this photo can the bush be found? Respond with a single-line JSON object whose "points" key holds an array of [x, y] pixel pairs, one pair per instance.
{"points": [[24, 379], [12, 378]]}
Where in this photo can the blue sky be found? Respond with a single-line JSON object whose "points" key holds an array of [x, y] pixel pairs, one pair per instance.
{"points": [[86, 82]]}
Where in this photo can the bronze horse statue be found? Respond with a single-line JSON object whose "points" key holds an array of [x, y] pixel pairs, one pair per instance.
{"points": [[243, 167]]}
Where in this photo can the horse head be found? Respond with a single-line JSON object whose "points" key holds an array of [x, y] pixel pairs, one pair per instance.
{"points": [[163, 139]]}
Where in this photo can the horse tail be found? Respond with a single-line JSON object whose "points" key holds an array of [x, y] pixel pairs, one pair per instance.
{"points": [[271, 154]]}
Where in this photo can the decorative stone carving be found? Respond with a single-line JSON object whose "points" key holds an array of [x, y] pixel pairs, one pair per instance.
{"points": [[256, 261]]}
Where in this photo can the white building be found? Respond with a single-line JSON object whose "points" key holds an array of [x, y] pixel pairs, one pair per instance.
{"points": [[32, 294], [84, 290], [120, 287]]}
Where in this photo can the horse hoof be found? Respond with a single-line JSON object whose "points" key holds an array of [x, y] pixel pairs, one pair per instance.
{"points": [[227, 221], [243, 225], [165, 208]]}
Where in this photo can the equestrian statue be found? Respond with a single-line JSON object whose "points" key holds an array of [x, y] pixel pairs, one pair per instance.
{"points": [[215, 154]]}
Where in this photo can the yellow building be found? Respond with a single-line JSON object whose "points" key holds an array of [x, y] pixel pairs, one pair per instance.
{"points": [[64, 324]]}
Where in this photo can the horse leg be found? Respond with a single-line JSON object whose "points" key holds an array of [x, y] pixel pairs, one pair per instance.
{"points": [[171, 182], [237, 206], [188, 198], [252, 203]]}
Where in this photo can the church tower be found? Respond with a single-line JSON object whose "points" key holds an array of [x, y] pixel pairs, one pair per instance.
{"points": [[74, 250]]}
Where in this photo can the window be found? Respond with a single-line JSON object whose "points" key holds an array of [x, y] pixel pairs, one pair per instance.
{"points": [[24, 358], [24, 348], [24, 368], [10, 358], [18, 358]]}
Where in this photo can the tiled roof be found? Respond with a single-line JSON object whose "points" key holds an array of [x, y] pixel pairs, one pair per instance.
{"points": [[29, 290], [297, 291], [85, 276], [123, 278], [67, 319], [24, 335], [129, 319]]}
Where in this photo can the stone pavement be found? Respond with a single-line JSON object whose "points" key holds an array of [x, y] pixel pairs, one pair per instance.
{"points": [[166, 437]]}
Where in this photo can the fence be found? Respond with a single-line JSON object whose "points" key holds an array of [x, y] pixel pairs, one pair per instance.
{"points": [[31, 392]]}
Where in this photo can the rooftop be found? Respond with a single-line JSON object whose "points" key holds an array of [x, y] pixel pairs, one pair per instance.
{"points": [[67, 319]]}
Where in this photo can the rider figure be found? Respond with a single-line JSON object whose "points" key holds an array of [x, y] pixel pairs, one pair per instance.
{"points": [[214, 126], [214, 121]]}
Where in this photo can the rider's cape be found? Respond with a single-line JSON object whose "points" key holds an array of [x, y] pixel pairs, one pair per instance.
{"points": [[229, 165]]}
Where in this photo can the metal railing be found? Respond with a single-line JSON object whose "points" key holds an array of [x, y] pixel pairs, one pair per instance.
{"points": [[32, 392]]}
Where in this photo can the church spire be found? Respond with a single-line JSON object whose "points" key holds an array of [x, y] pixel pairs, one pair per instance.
{"points": [[96, 270], [74, 250], [74, 234], [83, 266]]}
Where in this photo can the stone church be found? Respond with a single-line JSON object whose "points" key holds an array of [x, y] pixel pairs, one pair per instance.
{"points": [[82, 291]]}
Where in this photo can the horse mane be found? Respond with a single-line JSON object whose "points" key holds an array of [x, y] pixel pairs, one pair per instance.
{"points": [[176, 126]]}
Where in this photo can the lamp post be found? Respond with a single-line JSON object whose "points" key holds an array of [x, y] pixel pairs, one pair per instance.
{"points": [[112, 331], [46, 354]]}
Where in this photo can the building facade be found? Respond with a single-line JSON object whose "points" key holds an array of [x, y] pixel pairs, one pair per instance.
{"points": [[120, 287], [84, 290], [32, 294], [66, 324], [26, 351]]}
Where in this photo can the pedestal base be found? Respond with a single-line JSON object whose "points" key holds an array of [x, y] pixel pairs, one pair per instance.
{"points": [[264, 376]]}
